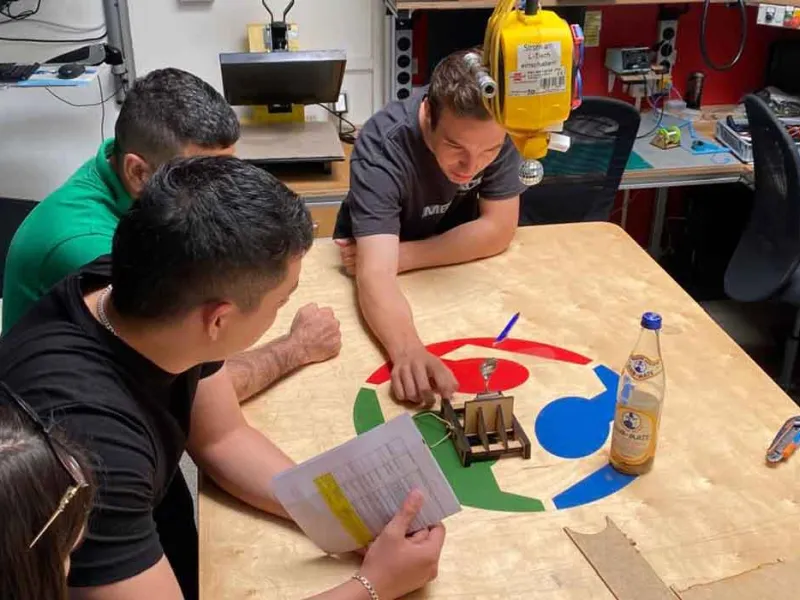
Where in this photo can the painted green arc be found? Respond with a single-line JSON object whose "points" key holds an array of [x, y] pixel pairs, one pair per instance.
{"points": [[475, 486]]}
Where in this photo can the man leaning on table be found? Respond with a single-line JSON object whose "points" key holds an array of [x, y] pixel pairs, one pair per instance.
{"points": [[434, 180], [167, 113], [126, 356]]}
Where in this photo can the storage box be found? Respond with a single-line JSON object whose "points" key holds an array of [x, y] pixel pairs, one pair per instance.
{"points": [[741, 147]]}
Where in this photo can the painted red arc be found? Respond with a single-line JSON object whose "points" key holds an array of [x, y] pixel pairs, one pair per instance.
{"points": [[512, 376]]}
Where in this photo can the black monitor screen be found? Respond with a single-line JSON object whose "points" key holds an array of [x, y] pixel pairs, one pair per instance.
{"points": [[282, 77]]}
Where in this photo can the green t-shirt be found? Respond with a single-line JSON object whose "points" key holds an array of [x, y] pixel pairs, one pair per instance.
{"points": [[71, 227]]}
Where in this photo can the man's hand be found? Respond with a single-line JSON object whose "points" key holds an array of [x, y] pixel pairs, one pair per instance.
{"points": [[418, 375], [348, 251], [316, 332], [397, 564]]}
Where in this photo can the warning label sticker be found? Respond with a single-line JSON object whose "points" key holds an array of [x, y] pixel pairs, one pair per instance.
{"points": [[539, 70], [532, 83]]}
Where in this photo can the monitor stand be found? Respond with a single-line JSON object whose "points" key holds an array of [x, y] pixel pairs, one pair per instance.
{"points": [[308, 145]]}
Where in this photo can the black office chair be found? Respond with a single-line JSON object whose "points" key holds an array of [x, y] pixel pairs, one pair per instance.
{"points": [[12, 214], [765, 264], [580, 184]]}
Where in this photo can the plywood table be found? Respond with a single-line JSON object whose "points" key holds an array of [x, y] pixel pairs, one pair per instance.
{"points": [[709, 510]]}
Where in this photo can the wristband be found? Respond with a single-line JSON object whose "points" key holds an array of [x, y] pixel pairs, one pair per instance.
{"points": [[373, 595]]}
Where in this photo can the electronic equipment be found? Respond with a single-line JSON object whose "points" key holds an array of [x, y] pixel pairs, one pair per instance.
{"points": [[271, 78], [15, 72], [628, 61]]}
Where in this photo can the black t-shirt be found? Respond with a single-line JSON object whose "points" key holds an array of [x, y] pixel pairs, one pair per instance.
{"points": [[397, 186], [131, 416]]}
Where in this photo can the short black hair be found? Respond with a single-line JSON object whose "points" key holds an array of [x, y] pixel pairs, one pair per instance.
{"points": [[205, 229], [168, 109]]}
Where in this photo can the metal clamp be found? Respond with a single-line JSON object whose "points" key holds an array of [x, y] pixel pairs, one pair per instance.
{"points": [[486, 83]]}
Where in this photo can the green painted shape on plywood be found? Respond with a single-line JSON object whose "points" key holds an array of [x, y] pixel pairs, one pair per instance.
{"points": [[474, 486]]}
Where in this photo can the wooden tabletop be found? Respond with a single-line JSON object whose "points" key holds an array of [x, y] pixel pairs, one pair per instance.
{"points": [[709, 509]]}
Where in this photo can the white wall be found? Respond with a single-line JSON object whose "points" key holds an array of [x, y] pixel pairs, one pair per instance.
{"points": [[42, 140]]}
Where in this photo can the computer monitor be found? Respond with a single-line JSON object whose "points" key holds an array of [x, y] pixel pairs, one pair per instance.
{"points": [[281, 77]]}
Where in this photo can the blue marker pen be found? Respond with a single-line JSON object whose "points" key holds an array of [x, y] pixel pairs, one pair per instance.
{"points": [[506, 330]]}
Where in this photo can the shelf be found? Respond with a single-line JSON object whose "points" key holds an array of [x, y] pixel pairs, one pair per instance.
{"points": [[462, 4]]}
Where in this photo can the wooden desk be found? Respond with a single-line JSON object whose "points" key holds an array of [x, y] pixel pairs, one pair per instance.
{"points": [[679, 167], [710, 509]]}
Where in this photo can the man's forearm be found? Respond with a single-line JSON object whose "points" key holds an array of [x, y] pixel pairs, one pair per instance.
{"points": [[254, 370], [249, 461], [387, 312], [471, 241]]}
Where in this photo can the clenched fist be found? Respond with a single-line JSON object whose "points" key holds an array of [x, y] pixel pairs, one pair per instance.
{"points": [[316, 332], [348, 252]]}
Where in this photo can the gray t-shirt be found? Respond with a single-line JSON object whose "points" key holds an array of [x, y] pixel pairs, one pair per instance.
{"points": [[397, 187]]}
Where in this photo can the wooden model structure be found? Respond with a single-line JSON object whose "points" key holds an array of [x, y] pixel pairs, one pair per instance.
{"points": [[486, 428]]}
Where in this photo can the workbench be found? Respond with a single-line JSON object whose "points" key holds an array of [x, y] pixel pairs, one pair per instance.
{"points": [[710, 508]]}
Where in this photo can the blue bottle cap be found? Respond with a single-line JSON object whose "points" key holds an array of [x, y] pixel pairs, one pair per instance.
{"points": [[651, 320]]}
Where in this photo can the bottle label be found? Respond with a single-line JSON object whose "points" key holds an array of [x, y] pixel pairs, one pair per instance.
{"points": [[641, 367], [633, 440]]}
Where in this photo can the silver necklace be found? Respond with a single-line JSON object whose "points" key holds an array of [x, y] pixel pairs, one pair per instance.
{"points": [[101, 310]]}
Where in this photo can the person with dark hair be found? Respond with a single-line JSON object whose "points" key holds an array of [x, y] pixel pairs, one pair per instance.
{"points": [[46, 492], [128, 353], [167, 113], [434, 180]]}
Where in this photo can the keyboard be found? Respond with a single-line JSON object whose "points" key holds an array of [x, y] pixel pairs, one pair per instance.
{"points": [[15, 72]]}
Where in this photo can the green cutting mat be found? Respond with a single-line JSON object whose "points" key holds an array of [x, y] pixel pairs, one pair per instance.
{"points": [[637, 163]]}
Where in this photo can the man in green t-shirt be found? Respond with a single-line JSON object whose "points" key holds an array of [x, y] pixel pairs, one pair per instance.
{"points": [[167, 113]]}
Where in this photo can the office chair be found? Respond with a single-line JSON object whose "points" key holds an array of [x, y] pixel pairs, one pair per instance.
{"points": [[12, 214], [765, 264], [580, 184]]}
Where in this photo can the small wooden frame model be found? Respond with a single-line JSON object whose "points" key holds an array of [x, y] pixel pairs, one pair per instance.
{"points": [[485, 428]]}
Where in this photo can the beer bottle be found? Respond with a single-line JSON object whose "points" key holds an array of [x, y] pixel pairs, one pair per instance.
{"points": [[640, 397]]}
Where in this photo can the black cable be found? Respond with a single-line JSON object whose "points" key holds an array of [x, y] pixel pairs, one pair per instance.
{"points": [[742, 39], [271, 18], [348, 137], [101, 103], [654, 129], [5, 10], [287, 9]]}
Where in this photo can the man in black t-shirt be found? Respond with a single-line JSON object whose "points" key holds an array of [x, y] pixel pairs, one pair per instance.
{"points": [[125, 356], [434, 180]]}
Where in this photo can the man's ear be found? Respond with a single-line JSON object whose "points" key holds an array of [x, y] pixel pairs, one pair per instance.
{"points": [[135, 173], [216, 316]]}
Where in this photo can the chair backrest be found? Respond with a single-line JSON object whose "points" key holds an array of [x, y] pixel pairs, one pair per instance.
{"points": [[580, 184], [768, 252], [12, 214]]}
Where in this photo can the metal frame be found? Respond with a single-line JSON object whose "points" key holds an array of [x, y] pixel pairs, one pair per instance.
{"points": [[118, 28], [662, 185]]}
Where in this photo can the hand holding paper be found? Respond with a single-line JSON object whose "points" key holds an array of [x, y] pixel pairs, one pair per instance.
{"points": [[345, 497]]}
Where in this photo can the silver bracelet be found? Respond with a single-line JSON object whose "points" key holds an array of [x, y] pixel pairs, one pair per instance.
{"points": [[373, 595]]}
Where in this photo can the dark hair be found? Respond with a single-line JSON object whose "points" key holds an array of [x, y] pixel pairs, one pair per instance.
{"points": [[32, 482], [167, 109], [454, 86], [205, 229]]}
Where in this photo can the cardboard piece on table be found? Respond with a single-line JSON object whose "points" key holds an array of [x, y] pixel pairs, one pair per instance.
{"points": [[618, 563], [776, 580]]}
